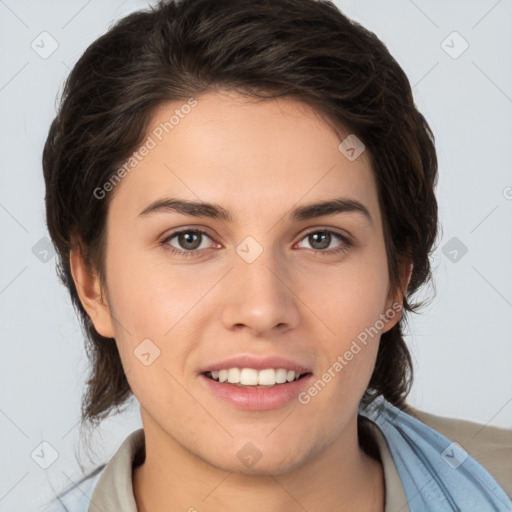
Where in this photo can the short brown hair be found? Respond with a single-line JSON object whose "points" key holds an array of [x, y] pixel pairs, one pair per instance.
{"points": [[304, 49]]}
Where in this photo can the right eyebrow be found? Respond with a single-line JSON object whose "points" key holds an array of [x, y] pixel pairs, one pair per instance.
{"points": [[185, 207]]}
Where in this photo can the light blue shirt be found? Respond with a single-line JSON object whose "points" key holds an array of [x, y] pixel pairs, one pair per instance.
{"points": [[437, 474]]}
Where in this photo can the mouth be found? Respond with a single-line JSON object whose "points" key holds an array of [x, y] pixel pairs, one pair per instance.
{"points": [[252, 378], [255, 382], [256, 390]]}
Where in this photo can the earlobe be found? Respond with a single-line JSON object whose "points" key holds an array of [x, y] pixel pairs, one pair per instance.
{"points": [[89, 291]]}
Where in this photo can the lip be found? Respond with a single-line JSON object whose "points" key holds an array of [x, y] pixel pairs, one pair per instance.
{"points": [[256, 399], [258, 363]]}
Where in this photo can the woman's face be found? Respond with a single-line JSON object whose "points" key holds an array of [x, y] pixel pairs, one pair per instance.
{"points": [[263, 283]]}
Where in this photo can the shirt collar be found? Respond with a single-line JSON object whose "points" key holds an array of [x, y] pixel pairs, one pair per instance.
{"points": [[114, 489]]}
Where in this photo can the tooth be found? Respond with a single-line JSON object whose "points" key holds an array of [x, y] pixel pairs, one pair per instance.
{"points": [[234, 375], [249, 377], [280, 376], [253, 377], [267, 377]]}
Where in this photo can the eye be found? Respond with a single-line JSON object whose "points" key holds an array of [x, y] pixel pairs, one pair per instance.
{"points": [[188, 240], [321, 240]]}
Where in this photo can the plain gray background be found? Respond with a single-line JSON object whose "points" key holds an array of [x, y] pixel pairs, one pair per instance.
{"points": [[461, 344]]}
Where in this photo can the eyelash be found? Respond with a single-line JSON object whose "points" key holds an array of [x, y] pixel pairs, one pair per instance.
{"points": [[343, 248]]}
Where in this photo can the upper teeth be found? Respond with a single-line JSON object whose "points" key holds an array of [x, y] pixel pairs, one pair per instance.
{"points": [[252, 377]]}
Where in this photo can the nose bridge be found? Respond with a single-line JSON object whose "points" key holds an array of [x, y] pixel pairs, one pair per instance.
{"points": [[261, 296], [262, 272]]}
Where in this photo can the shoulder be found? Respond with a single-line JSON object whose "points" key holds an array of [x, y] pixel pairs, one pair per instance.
{"points": [[77, 496], [490, 446]]}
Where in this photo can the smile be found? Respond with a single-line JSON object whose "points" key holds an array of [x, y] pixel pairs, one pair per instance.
{"points": [[251, 377]]}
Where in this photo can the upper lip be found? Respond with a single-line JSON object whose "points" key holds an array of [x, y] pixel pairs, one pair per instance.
{"points": [[256, 362]]}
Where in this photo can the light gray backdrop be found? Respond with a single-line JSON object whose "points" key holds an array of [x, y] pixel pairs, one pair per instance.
{"points": [[457, 55]]}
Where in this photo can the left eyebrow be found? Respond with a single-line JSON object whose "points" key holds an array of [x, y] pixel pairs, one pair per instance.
{"points": [[331, 207], [215, 211]]}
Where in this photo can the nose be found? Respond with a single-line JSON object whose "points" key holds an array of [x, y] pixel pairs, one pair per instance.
{"points": [[259, 296]]}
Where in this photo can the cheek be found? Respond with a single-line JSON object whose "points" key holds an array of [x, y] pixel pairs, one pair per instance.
{"points": [[152, 307], [348, 303], [349, 297], [149, 295]]}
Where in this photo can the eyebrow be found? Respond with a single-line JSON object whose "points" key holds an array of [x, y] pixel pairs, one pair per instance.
{"points": [[215, 211]]}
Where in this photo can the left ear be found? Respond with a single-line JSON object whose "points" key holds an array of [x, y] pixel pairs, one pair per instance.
{"points": [[394, 302]]}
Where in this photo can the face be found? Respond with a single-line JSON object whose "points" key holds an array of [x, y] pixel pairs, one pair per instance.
{"points": [[264, 282]]}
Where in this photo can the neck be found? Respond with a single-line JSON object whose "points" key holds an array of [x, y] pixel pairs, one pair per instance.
{"points": [[341, 479]]}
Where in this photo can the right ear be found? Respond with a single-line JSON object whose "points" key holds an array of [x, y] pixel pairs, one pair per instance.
{"points": [[89, 291]]}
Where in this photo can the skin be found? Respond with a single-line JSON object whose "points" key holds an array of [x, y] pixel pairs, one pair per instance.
{"points": [[259, 160]]}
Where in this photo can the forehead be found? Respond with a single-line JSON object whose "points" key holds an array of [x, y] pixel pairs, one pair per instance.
{"points": [[250, 156]]}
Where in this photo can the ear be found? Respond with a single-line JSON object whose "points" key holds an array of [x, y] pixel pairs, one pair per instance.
{"points": [[394, 302], [89, 291]]}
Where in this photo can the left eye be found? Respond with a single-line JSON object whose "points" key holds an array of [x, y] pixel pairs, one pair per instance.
{"points": [[324, 239]]}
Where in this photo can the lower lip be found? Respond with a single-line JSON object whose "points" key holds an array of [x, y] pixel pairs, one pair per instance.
{"points": [[257, 399]]}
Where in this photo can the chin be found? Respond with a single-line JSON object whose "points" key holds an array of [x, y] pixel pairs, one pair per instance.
{"points": [[249, 460]]}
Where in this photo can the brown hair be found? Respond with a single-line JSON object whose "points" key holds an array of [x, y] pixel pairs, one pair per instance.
{"points": [[304, 49]]}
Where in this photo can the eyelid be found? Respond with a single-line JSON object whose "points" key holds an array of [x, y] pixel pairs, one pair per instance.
{"points": [[344, 234]]}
